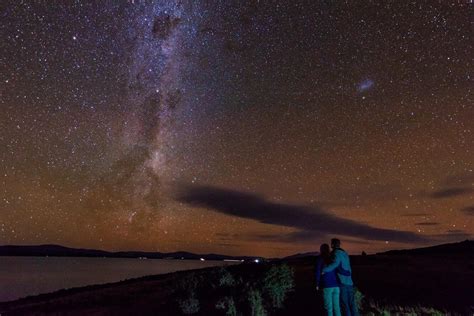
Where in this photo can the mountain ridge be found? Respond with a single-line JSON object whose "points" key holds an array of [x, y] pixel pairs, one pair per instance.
{"points": [[53, 250], [462, 247]]}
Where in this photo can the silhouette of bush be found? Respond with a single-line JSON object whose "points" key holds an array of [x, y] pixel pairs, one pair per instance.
{"points": [[228, 304], [359, 299], [256, 293], [256, 303], [277, 283], [189, 305], [226, 278], [187, 288], [190, 282]]}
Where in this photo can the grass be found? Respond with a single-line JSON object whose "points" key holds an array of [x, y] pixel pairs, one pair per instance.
{"points": [[372, 308]]}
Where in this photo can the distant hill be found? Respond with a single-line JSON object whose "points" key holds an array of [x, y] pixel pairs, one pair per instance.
{"points": [[61, 251], [460, 248]]}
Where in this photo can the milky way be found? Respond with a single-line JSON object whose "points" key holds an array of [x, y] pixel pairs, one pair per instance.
{"points": [[254, 127]]}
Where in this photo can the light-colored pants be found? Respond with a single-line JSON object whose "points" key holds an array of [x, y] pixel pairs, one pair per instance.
{"points": [[331, 301]]}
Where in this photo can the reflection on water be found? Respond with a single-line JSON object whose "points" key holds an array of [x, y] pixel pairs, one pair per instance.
{"points": [[23, 276]]}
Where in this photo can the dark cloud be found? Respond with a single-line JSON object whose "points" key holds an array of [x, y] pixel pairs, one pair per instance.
{"points": [[311, 221], [451, 192], [163, 25], [355, 241], [455, 231], [469, 210], [427, 224], [293, 237], [452, 235]]}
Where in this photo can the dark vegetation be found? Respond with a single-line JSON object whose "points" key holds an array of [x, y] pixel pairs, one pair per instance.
{"points": [[223, 292]]}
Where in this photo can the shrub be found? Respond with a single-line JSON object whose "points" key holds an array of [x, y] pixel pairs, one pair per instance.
{"points": [[189, 306], [187, 287], [278, 281], [358, 298], [256, 303], [190, 282], [228, 304], [226, 278], [434, 312]]}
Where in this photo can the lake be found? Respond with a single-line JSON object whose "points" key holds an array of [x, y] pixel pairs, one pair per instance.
{"points": [[23, 276]]}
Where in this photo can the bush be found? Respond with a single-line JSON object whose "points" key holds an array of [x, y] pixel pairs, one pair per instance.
{"points": [[256, 303], [226, 278], [358, 298], [189, 306], [190, 282], [434, 312], [187, 288], [228, 304], [277, 283]]}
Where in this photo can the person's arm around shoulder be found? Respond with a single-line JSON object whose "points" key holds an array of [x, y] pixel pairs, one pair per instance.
{"points": [[336, 262], [340, 270]]}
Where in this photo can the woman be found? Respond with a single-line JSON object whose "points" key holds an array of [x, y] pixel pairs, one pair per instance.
{"points": [[328, 281]]}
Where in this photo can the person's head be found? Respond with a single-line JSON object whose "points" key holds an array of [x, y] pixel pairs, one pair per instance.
{"points": [[335, 243], [324, 250]]}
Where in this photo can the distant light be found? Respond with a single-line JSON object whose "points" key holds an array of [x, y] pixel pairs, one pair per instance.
{"points": [[74, 37], [257, 261], [202, 259]]}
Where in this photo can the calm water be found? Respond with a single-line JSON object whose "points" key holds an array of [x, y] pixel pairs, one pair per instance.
{"points": [[23, 276]]}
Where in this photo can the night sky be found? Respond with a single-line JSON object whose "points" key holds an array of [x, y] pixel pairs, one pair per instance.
{"points": [[236, 127]]}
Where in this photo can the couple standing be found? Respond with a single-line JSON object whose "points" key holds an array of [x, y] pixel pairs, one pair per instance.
{"points": [[333, 276]]}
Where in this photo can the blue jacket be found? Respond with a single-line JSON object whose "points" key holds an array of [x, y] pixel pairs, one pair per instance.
{"points": [[341, 259], [328, 279]]}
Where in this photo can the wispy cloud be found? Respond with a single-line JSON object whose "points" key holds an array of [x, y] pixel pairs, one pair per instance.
{"points": [[451, 192], [452, 235], [469, 210]]}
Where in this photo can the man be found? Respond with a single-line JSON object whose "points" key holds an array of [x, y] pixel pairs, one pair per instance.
{"points": [[341, 258]]}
